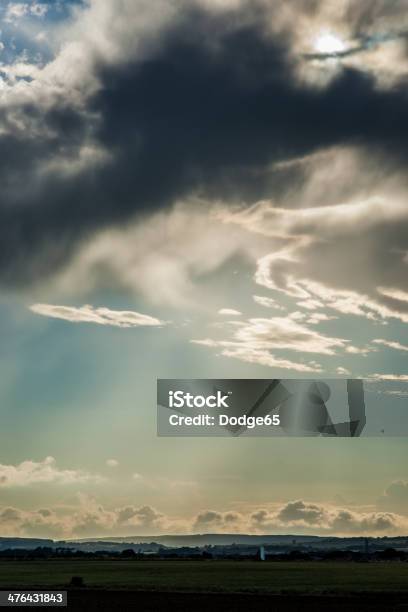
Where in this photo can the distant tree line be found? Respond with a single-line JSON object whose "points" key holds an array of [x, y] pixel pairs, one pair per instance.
{"points": [[232, 553]]}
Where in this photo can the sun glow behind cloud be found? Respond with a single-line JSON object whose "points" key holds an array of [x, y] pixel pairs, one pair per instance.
{"points": [[329, 43]]}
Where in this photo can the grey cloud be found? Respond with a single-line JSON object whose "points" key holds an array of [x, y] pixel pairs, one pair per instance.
{"points": [[145, 516], [346, 521], [92, 519], [205, 111], [395, 497], [322, 518], [10, 515], [213, 520], [319, 245], [298, 510], [44, 512]]}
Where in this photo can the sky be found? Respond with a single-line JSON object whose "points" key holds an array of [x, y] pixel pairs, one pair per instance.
{"points": [[198, 189]]}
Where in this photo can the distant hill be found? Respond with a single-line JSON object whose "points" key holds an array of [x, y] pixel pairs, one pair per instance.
{"points": [[209, 539], [153, 543], [25, 543]]}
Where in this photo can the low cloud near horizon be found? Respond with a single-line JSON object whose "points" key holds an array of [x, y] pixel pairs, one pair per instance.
{"points": [[296, 517], [90, 518]]}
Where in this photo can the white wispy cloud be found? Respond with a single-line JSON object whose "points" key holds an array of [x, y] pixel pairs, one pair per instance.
{"points": [[267, 302], [284, 333], [342, 371], [17, 10], [112, 463], [265, 358], [394, 294], [161, 257], [391, 344], [344, 301], [42, 472], [310, 304], [360, 350], [257, 356], [319, 273], [318, 317], [39, 9], [100, 316], [256, 340], [390, 377], [229, 312]]}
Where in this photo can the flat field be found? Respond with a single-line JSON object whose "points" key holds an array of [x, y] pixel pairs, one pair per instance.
{"points": [[210, 576]]}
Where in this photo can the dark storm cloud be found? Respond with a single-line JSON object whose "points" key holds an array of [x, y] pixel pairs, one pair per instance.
{"points": [[206, 112]]}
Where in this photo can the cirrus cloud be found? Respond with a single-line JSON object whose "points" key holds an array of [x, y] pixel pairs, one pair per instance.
{"points": [[256, 340], [100, 316]]}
